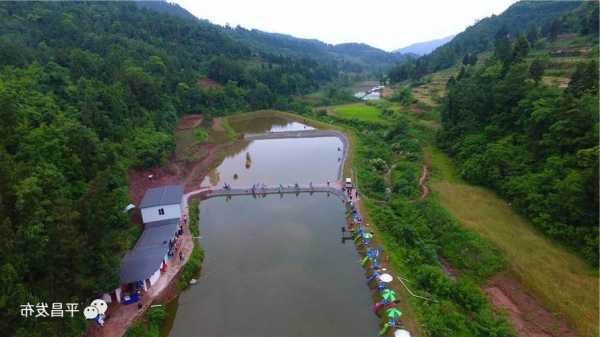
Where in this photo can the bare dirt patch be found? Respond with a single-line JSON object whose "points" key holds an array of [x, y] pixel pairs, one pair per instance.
{"points": [[189, 164], [189, 122], [207, 83], [528, 317]]}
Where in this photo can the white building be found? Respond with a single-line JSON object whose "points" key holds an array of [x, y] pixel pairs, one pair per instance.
{"points": [[161, 212], [161, 203]]}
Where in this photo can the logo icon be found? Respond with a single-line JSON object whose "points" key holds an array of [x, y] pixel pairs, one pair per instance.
{"points": [[96, 311]]}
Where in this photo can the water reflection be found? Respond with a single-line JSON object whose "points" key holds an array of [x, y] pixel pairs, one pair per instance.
{"points": [[263, 124], [279, 161]]}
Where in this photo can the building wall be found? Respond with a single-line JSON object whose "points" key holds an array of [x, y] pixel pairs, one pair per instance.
{"points": [[150, 214], [155, 277]]}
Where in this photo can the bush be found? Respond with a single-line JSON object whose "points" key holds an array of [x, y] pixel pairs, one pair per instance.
{"points": [[200, 135], [403, 95]]}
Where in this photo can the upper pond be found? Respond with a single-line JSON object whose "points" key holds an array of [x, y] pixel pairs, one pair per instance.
{"points": [[276, 266], [277, 161], [267, 124]]}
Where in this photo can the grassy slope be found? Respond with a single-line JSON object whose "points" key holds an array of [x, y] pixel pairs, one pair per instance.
{"points": [[360, 111], [562, 281]]}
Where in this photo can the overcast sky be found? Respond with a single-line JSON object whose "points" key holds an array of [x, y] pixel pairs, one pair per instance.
{"points": [[386, 24]]}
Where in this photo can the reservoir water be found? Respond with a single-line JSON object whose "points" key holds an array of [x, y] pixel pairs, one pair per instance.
{"points": [[276, 265]]}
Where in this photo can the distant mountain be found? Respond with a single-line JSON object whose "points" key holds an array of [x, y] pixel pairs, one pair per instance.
{"points": [[354, 57], [350, 57], [423, 48]]}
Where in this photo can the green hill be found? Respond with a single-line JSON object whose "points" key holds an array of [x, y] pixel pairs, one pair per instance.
{"points": [[347, 57]]}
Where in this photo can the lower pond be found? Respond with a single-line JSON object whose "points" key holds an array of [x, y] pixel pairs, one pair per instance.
{"points": [[276, 266]]}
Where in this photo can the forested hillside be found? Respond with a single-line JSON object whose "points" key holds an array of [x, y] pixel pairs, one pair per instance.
{"points": [[547, 17], [347, 57], [351, 58], [88, 90], [537, 145]]}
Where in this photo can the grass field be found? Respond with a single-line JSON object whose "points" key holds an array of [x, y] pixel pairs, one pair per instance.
{"points": [[560, 280], [360, 111]]}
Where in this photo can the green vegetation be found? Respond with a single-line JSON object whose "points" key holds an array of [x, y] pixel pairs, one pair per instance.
{"points": [[200, 135], [403, 95], [358, 111], [194, 214], [194, 264], [150, 324], [191, 269]]}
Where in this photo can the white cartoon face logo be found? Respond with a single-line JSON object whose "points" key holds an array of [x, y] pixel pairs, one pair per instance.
{"points": [[100, 305], [90, 312]]}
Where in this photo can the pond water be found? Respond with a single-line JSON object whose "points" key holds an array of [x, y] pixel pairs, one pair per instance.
{"points": [[280, 161], [276, 266], [267, 124]]}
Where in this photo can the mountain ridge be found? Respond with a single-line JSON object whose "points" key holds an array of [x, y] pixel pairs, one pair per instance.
{"points": [[350, 57]]}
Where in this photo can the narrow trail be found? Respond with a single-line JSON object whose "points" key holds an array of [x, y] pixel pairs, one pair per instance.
{"points": [[422, 180]]}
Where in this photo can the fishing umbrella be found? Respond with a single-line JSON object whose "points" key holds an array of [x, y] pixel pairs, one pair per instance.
{"points": [[387, 278], [393, 313], [401, 333], [372, 253], [388, 295]]}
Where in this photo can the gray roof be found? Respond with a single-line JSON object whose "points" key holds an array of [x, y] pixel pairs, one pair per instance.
{"points": [[164, 195], [146, 256], [140, 264], [157, 235]]}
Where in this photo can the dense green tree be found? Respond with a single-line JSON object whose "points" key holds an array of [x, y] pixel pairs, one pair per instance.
{"points": [[536, 69], [584, 79], [532, 34], [554, 30], [502, 46], [520, 49]]}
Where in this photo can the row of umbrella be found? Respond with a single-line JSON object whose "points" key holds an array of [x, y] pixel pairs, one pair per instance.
{"points": [[388, 296]]}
